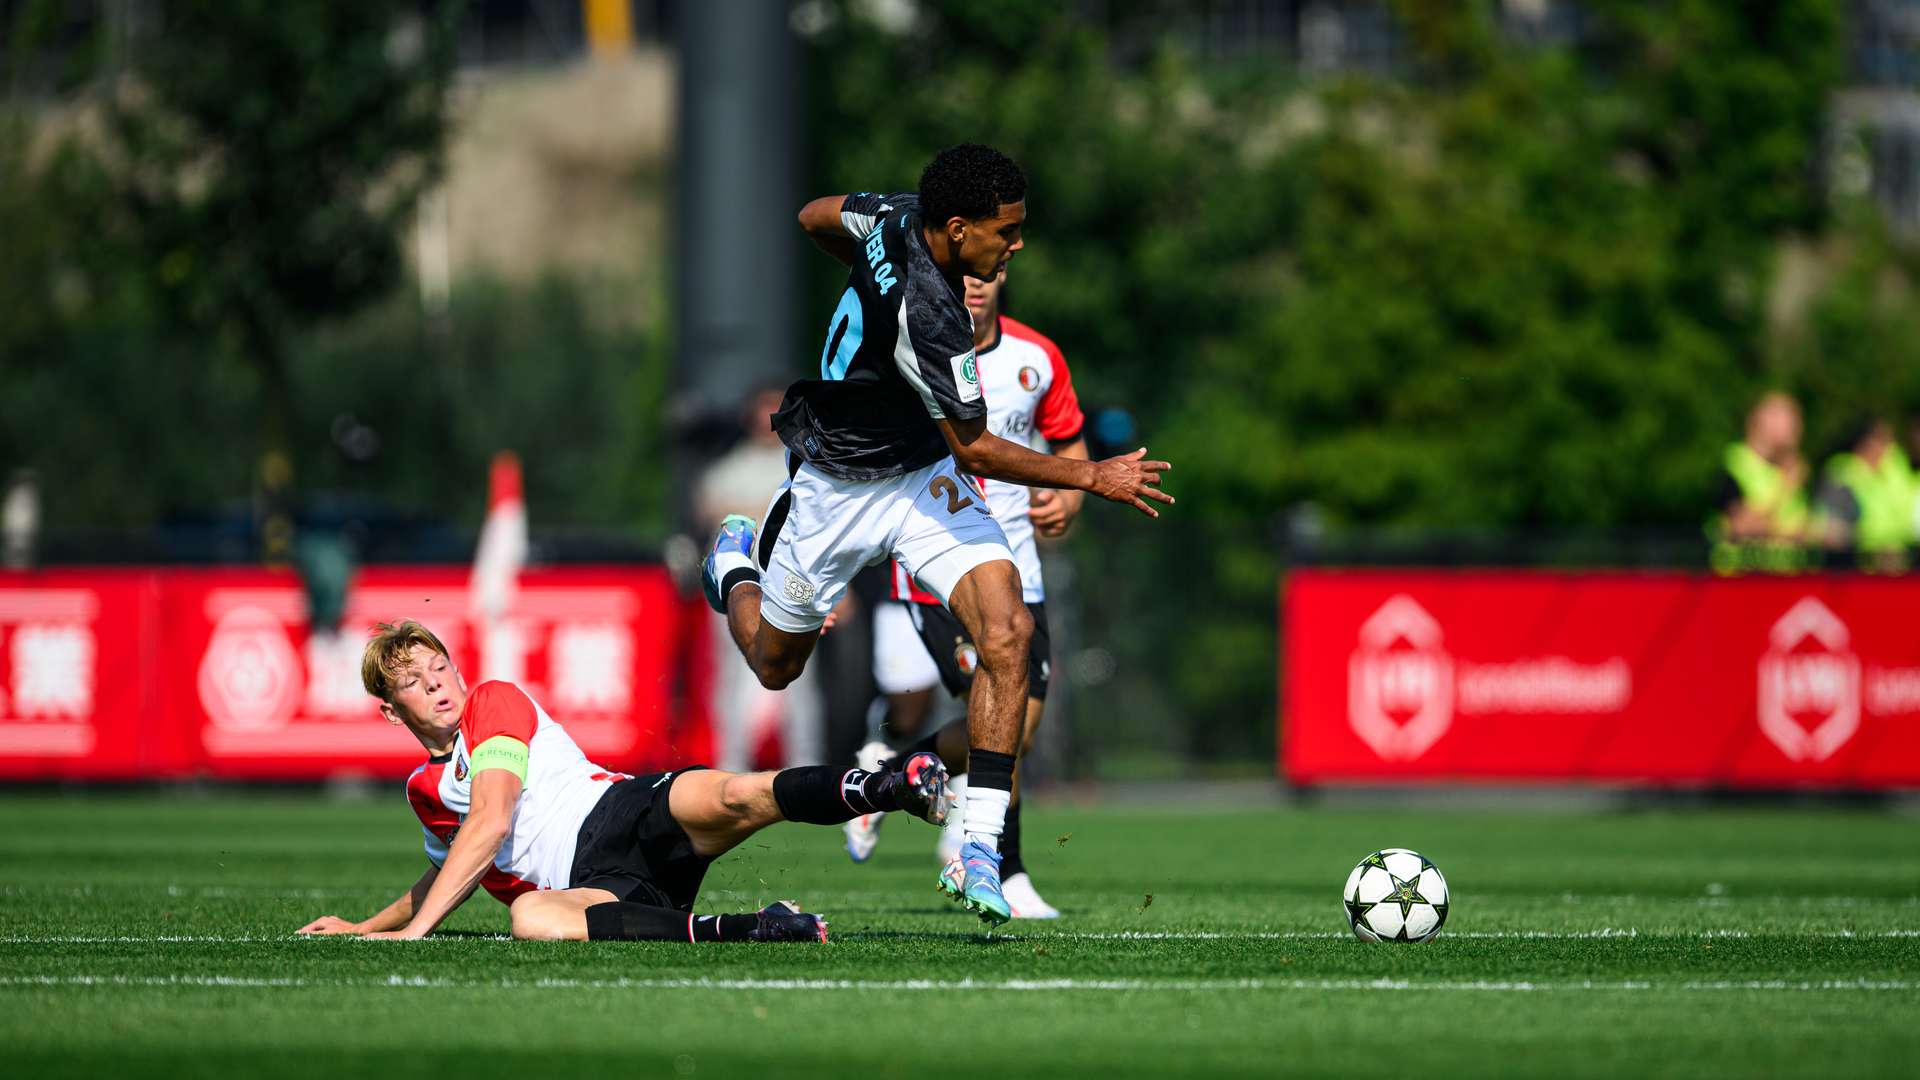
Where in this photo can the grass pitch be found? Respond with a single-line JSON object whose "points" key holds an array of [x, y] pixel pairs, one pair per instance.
{"points": [[150, 936]]}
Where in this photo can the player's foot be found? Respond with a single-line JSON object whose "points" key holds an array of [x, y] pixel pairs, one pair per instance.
{"points": [[732, 551], [783, 920], [1024, 900], [863, 835], [920, 784], [973, 880], [873, 756], [954, 833]]}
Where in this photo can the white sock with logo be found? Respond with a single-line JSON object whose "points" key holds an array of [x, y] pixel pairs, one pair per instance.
{"points": [[987, 815]]}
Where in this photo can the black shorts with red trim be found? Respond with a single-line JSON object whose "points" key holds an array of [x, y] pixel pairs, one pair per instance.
{"points": [[954, 654], [631, 846]]}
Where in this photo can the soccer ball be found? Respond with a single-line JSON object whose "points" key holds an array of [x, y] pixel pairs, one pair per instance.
{"points": [[1396, 895]]}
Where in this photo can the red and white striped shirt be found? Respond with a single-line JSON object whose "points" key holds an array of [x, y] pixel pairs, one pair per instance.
{"points": [[1030, 401], [562, 787]]}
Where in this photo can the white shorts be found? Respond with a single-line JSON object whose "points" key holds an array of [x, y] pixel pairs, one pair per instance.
{"points": [[820, 530], [901, 663]]}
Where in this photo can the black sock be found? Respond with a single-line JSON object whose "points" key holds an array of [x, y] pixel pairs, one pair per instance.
{"points": [[628, 921], [736, 576], [1010, 861], [987, 769], [824, 795]]}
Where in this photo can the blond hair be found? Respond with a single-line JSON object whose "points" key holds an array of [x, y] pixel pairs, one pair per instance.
{"points": [[387, 652]]}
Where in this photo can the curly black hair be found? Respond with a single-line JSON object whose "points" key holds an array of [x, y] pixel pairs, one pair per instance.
{"points": [[969, 181]]}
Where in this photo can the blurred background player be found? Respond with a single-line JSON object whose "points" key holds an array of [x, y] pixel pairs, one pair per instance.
{"points": [[508, 802], [1030, 400]]}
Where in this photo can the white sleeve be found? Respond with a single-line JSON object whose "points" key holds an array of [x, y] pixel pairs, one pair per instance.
{"points": [[862, 211], [436, 849]]}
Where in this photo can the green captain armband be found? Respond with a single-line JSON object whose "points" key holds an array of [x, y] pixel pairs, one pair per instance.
{"points": [[502, 752]]}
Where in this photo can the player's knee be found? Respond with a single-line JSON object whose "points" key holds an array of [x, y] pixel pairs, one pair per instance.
{"points": [[1005, 638], [534, 920], [777, 674], [776, 666], [740, 795]]}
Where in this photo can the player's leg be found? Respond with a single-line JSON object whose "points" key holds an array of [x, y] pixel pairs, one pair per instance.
{"points": [[907, 676], [953, 546], [816, 534], [598, 915], [987, 602], [1022, 898], [718, 810], [948, 641]]}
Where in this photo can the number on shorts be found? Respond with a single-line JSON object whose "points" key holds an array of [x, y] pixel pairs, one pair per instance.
{"points": [[943, 487]]}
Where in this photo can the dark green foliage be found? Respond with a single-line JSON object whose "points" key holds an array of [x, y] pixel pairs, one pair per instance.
{"points": [[223, 268], [525, 367], [1514, 288], [268, 154]]}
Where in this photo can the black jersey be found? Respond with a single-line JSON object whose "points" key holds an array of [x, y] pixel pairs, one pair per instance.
{"points": [[898, 355]]}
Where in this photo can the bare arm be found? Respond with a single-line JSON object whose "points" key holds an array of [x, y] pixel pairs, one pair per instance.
{"points": [[821, 219], [392, 917], [1125, 479], [495, 792], [1052, 511]]}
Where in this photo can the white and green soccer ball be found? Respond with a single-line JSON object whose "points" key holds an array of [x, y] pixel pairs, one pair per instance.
{"points": [[1396, 895]]}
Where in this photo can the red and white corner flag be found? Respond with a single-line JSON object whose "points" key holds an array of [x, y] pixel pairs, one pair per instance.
{"points": [[495, 584]]}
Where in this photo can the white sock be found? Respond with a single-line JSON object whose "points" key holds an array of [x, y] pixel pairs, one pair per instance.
{"points": [[987, 816], [955, 830]]}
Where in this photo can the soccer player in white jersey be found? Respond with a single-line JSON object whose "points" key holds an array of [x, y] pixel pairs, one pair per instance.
{"points": [[508, 802], [917, 643], [883, 448]]}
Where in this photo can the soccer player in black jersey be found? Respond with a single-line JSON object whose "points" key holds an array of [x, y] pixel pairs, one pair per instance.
{"points": [[881, 451]]}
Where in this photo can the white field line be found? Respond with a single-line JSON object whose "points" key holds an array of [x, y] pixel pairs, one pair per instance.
{"points": [[1118, 935], [856, 897], [407, 982]]}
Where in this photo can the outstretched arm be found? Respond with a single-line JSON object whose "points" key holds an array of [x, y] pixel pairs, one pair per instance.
{"points": [[495, 793], [1125, 479], [1051, 512], [821, 219], [392, 917]]}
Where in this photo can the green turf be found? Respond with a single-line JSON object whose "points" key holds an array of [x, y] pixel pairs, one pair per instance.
{"points": [[149, 936]]}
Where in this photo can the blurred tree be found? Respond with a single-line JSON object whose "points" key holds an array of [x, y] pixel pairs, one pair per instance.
{"points": [[1509, 287], [265, 157]]}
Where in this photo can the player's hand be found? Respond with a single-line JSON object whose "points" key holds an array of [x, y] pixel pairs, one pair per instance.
{"points": [[1052, 511], [841, 610], [402, 934], [329, 924], [1131, 480]]}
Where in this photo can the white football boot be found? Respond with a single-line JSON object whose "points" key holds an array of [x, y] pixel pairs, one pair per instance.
{"points": [[1024, 900], [954, 832], [863, 832]]}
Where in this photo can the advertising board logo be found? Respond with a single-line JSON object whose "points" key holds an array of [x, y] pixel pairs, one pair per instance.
{"points": [[250, 677], [1400, 681], [1809, 692]]}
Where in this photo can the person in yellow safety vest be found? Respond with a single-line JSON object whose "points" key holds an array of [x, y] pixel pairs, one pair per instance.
{"points": [[1764, 523], [1867, 495]]}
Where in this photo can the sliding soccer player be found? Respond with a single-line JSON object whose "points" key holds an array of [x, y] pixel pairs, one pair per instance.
{"points": [[508, 802]]}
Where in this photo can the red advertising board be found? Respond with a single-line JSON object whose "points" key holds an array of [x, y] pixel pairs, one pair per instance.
{"points": [[59, 631], [1668, 680], [214, 672]]}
